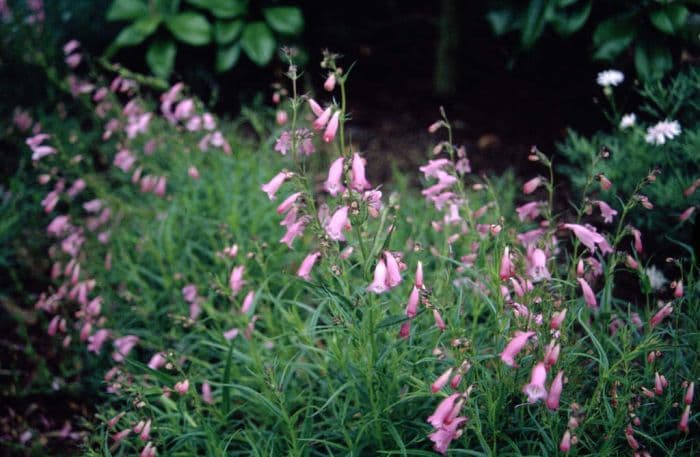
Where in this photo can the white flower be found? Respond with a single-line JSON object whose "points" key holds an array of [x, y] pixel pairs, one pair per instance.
{"points": [[664, 130], [609, 78], [628, 120], [656, 278]]}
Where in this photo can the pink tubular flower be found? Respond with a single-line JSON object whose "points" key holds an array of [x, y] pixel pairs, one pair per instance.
{"points": [[287, 203], [96, 340], [555, 389], [192, 172], [507, 269], [530, 186], [145, 431], [393, 277], [405, 330], [658, 384], [332, 127], [329, 84], [182, 387], [359, 181], [307, 264], [552, 354], [662, 314], [231, 334], [537, 265], [686, 214], [565, 444], [157, 361], [441, 380], [637, 240], [378, 284], [606, 211], [683, 424], [160, 187], [588, 295], [322, 118], [149, 450], [275, 183], [236, 281], [689, 393], [433, 166], [535, 389], [294, 229], [333, 184], [678, 290], [315, 108], [444, 436], [206, 393], [514, 346], [557, 319], [589, 238], [248, 302], [123, 346], [528, 211], [412, 306], [439, 322], [443, 411], [337, 223], [419, 276]]}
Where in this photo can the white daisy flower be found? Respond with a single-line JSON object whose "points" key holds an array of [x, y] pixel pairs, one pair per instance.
{"points": [[664, 130], [610, 78], [628, 120], [657, 280]]}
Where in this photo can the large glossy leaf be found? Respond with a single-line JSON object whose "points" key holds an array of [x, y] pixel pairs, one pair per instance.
{"points": [[570, 20], [652, 60], [137, 32], [534, 22], [190, 28], [286, 20], [258, 43], [227, 31], [225, 9], [126, 10], [227, 57], [611, 37], [670, 18], [161, 57]]}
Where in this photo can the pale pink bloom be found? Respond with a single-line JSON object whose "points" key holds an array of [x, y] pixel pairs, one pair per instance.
{"points": [[184, 109], [530, 237], [294, 229], [557, 319], [236, 281], [661, 315], [555, 389], [157, 361], [334, 184], [138, 124], [113, 421], [589, 238], [405, 330], [291, 217], [70, 46], [378, 284], [231, 251], [453, 217], [419, 275], [315, 108], [231, 334], [160, 187], [94, 307], [182, 387], [96, 340], [374, 202], [528, 211], [124, 160], [332, 127], [206, 393], [287, 203], [537, 265], [530, 186], [281, 117], [329, 84], [606, 211], [322, 119], [535, 389], [100, 94], [39, 152], [439, 322], [338, 222], [53, 325], [605, 183], [58, 226], [393, 277], [440, 382], [631, 440], [192, 172], [123, 346], [148, 450], [74, 60], [463, 166], [195, 310], [507, 269], [588, 295], [631, 262], [686, 214], [565, 444], [307, 264], [442, 413], [248, 302], [275, 183], [683, 424], [359, 181], [637, 239], [136, 176], [346, 253], [443, 436], [208, 121], [514, 346], [432, 128], [146, 431], [93, 206], [658, 385], [284, 143], [413, 300], [678, 290], [431, 169], [117, 437], [689, 393], [50, 201], [552, 354]]}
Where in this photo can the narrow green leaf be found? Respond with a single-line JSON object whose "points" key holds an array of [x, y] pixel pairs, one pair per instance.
{"points": [[126, 10], [258, 43], [227, 57], [286, 20], [161, 57], [190, 28]]}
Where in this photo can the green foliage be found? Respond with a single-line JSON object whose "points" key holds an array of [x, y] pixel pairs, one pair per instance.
{"points": [[650, 28], [230, 25]]}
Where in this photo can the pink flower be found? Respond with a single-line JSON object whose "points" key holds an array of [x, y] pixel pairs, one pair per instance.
{"points": [[689, 393], [565, 444], [315, 108], [683, 424], [192, 172], [248, 302], [441, 380], [378, 284], [160, 187], [555, 389], [307, 264], [206, 393], [678, 290], [393, 277], [281, 117], [123, 346], [605, 183], [443, 411], [552, 354], [589, 238], [359, 181], [444, 436], [686, 214], [557, 319], [661, 315], [535, 389], [124, 160], [433, 166], [514, 346], [507, 269], [419, 276], [337, 223], [528, 211], [374, 202], [606, 211], [157, 361], [439, 322], [236, 281], [413, 300], [530, 186], [332, 127], [184, 109], [148, 450], [322, 118], [96, 340], [70, 46], [537, 265], [658, 384], [287, 203], [333, 184], [588, 295], [275, 183], [182, 387], [405, 330], [231, 334], [145, 431], [329, 84], [637, 239]]}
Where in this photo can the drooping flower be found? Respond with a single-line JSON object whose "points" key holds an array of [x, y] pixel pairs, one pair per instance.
{"points": [[555, 389], [610, 78], [662, 131], [537, 265], [557, 319], [378, 284], [334, 184], [589, 238], [123, 346], [393, 277], [248, 302], [307, 264], [683, 424], [662, 314], [329, 84], [440, 382], [338, 222], [182, 387], [507, 269], [588, 295], [332, 127], [514, 346], [439, 322], [288, 203], [565, 444], [294, 229], [606, 211], [528, 211], [413, 300], [530, 186], [535, 389], [444, 435], [322, 118], [359, 181], [275, 183], [236, 281]]}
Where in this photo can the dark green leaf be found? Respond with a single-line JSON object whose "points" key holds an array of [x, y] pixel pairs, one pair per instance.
{"points": [[258, 43], [126, 10], [227, 57], [535, 18], [611, 37], [161, 57], [652, 61], [224, 9], [190, 28], [501, 21], [669, 19], [286, 20], [167, 7], [137, 32], [571, 20], [227, 31]]}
